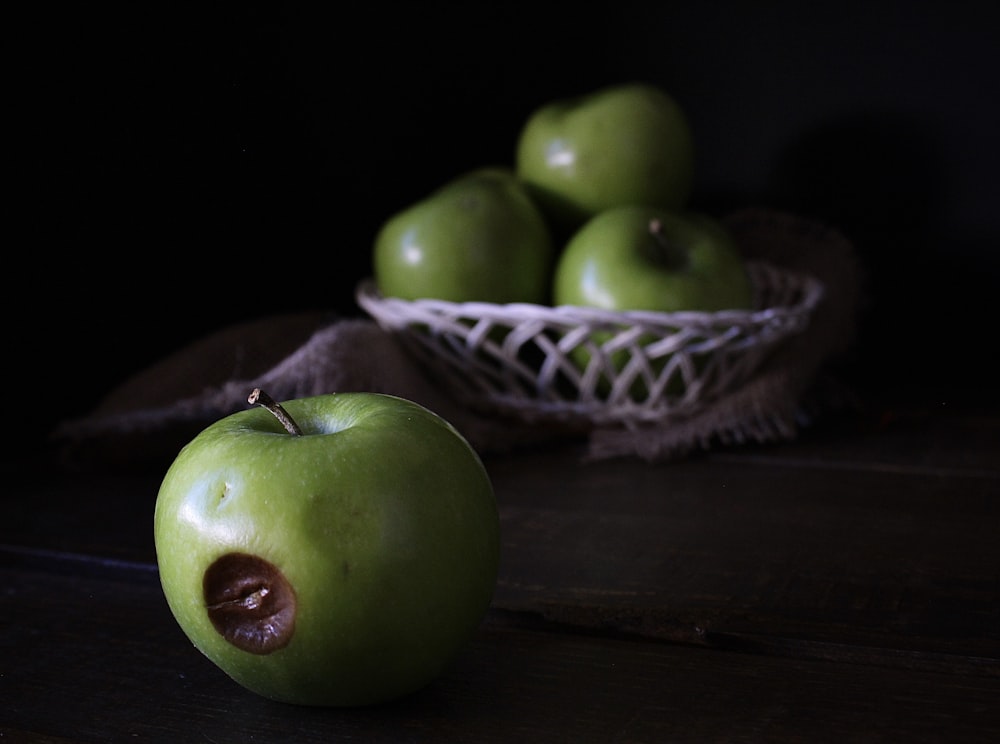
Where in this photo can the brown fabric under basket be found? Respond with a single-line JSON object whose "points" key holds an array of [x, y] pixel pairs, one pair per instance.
{"points": [[708, 378]]}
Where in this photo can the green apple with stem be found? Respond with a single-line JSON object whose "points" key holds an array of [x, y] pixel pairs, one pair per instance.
{"points": [[629, 143], [333, 550], [652, 259], [480, 237]]}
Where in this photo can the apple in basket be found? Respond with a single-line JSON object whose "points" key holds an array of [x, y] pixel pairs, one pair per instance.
{"points": [[623, 144], [647, 258], [479, 237], [334, 550]]}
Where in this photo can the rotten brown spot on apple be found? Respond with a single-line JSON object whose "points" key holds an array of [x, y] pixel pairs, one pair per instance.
{"points": [[250, 602]]}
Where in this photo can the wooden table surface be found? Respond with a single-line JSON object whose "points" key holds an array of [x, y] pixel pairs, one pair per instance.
{"points": [[843, 587]]}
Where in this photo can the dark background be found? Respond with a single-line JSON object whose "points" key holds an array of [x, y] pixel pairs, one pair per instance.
{"points": [[176, 171]]}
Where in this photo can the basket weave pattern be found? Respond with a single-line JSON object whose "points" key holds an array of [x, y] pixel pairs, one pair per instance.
{"points": [[587, 366]]}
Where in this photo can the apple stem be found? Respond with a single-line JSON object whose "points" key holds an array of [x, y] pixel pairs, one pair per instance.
{"points": [[667, 252], [258, 396]]}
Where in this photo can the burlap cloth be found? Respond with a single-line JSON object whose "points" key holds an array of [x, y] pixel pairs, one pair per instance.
{"points": [[152, 415]]}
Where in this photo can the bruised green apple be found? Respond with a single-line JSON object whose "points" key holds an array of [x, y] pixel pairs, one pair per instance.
{"points": [[624, 144], [333, 550], [480, 237], [646, 258]]}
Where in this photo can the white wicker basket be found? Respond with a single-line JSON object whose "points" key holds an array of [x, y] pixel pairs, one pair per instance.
{"points": [[518, 359]]}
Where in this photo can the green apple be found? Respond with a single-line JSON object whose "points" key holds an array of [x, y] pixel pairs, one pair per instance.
{"points": [[334, 550], [623, 144], [648, 258], [480, 237]]}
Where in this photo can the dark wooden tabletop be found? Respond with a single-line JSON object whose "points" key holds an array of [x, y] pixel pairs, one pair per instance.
{"points": [[843, 587]]}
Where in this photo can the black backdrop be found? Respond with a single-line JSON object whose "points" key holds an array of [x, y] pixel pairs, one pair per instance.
{"points": [[170, 163]]}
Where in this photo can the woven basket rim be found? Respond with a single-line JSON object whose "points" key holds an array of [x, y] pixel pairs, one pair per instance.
{"points": [[812, 291]]}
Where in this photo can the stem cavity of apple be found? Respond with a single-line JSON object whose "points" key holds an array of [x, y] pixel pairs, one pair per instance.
{"points": [[667, 251], [259, 397]]}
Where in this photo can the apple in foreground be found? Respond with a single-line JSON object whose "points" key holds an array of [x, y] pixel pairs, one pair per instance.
{"points": [[334, 550], [623, 144], [479, 238], [645, 258]]}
